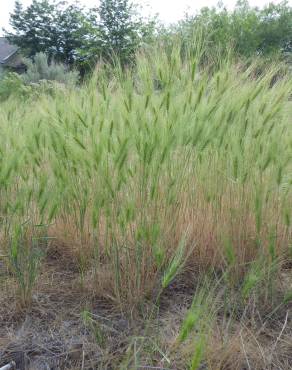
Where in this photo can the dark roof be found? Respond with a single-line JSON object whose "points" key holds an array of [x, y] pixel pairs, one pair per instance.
{"points": [[6, 50]]}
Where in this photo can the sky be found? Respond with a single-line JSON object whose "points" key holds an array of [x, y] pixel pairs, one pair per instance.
{"points": [[168, 10]]}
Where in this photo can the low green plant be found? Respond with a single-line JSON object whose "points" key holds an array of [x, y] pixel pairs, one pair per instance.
{"points": [[94, 327], [24, 260], [11, 84], [260, 279], [175, 265], [197, 325]]}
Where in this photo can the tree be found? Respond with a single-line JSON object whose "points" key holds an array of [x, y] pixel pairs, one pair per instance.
{"points": [[72, 35], [276, 28], [34, 27], [55, 28], [120, 29], [247, 30]]}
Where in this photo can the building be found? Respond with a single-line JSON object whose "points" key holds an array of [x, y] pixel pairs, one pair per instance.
{"points": [[10, 57]]}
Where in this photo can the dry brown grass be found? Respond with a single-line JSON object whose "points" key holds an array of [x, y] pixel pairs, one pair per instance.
{"points": [[52, 333], [229, 219]]}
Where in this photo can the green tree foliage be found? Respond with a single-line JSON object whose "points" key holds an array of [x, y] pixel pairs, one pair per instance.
{"points": [[248, 30], [118, 33], [70, 34], [54, 28], [276, 27], [119, 29]]}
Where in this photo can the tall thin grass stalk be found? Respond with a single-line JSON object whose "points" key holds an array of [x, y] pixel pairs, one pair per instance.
{"points": [[124, 166]]}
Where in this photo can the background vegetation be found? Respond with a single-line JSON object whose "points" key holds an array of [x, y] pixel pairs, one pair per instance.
{"points": [[146, 211], [79, 37]]}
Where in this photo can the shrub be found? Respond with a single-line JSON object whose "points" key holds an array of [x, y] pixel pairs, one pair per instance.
{"points": [[41, 77], [12, 84], [40, 69]]}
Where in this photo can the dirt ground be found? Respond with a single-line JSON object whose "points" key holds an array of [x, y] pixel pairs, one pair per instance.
{"points": [[67, 328]]}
